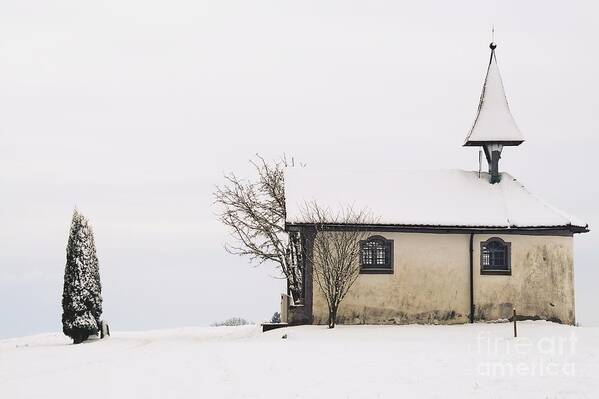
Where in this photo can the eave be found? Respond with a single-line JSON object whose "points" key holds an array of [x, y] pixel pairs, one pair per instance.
{"points": [[566, 230], [481, 143]]}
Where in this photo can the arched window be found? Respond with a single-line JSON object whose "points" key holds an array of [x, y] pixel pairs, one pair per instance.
{"points": [[495, 256], [376, 255]]}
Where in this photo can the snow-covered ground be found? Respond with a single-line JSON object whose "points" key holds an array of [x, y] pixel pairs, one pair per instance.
{"points": [[463, 361]]}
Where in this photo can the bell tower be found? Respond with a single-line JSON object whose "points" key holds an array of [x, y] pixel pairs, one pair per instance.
{"points": [[494, 126]]}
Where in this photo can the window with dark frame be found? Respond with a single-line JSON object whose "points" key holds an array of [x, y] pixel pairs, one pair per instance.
{"points": [[495, 256], [376, 255]]}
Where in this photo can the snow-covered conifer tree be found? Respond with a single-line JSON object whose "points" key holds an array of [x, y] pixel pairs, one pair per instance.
{"points": [[81, 298]]}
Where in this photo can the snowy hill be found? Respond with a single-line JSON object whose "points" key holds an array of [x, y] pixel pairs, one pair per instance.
{"points": [[462, 361]]}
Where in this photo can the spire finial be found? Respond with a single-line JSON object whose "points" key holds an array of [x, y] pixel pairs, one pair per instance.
{"points": [[493, 45]]}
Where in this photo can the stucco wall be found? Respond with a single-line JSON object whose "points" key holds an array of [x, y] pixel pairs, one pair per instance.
{"points": [[430, 283], [541, 284]]}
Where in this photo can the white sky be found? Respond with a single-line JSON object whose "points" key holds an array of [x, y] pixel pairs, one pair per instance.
{"points": [[133, 111]]}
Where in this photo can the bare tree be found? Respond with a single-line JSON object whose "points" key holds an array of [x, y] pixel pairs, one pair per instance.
{"points": [[336, 252], [254, 211], [232, 322]]}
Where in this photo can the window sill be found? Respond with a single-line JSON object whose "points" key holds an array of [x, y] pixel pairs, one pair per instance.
{"points": [[496, 272], [376, 271]]}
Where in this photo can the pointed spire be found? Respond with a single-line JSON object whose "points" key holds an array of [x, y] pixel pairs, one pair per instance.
{"points": [[494, 122]]}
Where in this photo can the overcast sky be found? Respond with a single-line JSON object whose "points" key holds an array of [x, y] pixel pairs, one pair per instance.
{"points": [[133, 110]]}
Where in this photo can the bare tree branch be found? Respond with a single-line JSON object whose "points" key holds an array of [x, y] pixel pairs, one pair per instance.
{"points": [[336, 252], [254, 211]]}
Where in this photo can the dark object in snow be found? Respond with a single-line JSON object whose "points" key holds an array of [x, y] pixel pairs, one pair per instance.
{"points": [[104, 329], [276, 318], [273, 326], [81, 297], [284, 336]]}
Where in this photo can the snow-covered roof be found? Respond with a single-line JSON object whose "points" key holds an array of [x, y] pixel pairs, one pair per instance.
{"points": [[452, 198], [494, 121]]}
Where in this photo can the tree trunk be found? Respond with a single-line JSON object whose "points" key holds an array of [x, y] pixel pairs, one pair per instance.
{"points": [[293, 287], [79, 337], [332, 317]]}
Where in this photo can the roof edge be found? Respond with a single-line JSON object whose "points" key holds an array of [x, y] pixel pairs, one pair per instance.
{"points": [[478, 143], [531, 230]]}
